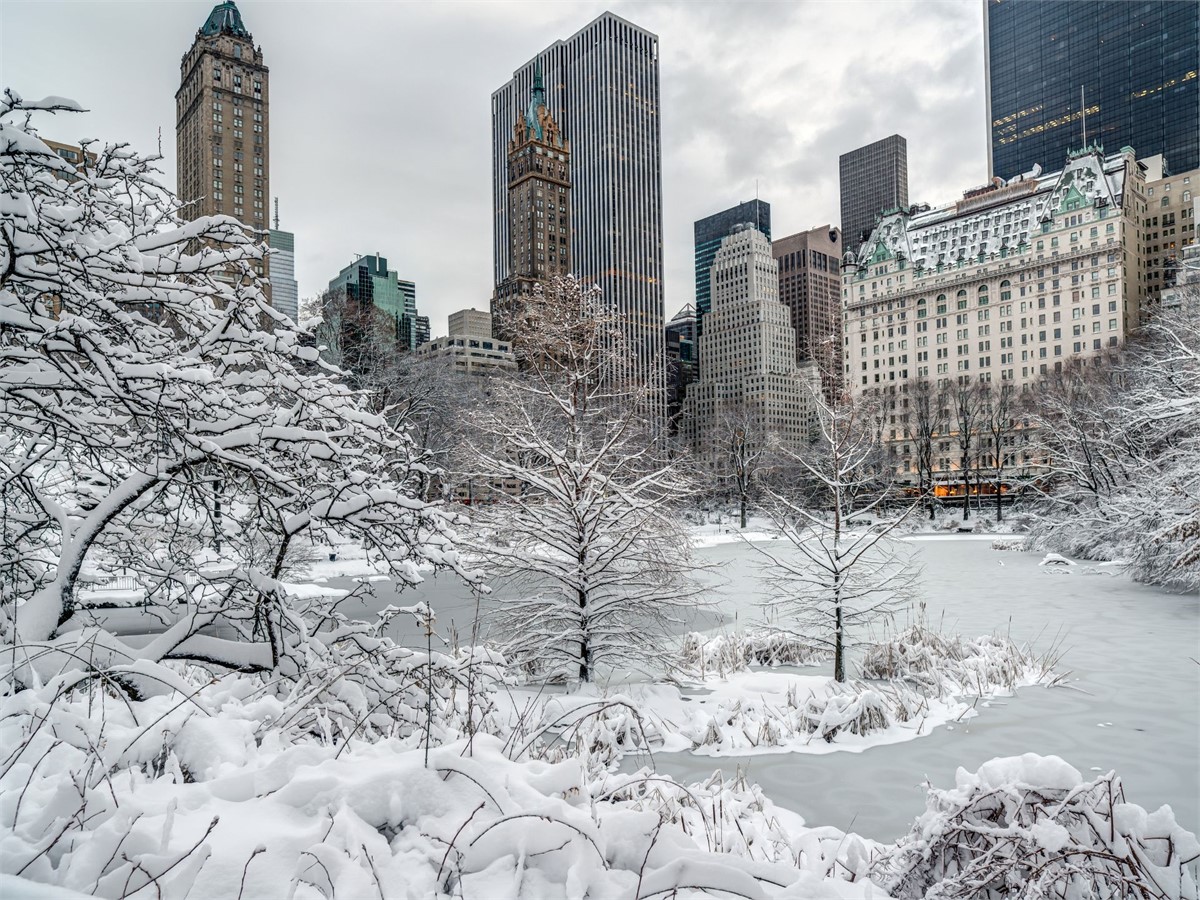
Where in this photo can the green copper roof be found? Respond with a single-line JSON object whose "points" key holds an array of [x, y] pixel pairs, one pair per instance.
{"points": [[225, 18], [536, 102]]}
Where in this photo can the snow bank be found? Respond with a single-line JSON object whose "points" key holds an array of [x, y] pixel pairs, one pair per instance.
{"points": [[146, 800]]}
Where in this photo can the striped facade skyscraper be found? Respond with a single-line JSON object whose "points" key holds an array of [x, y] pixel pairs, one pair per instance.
{"points": [[602, 88]]}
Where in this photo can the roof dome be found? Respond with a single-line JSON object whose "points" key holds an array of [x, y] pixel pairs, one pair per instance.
{"points": [[225, 19]]}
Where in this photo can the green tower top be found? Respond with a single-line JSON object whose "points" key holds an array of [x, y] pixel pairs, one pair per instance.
{"points": [[538, 101], [225, 19]]}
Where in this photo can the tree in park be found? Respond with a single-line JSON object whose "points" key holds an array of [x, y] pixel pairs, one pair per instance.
{"points": [[924, 421], [997, 416], [150, 413], [588, 558], [841, 569], [966, 401], [740, 450]]}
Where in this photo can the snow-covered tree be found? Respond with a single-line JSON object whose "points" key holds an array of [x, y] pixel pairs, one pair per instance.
{"points": [[153, 407], [589, 557], [738, 453], [843, 570], [997, 418], [1123, 445], [925, 420]]}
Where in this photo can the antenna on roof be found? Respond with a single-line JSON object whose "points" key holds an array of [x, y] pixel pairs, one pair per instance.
{"points": [[276, 213]]}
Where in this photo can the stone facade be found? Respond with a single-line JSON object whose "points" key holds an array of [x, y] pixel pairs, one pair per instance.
{"points": [[748, 353]]}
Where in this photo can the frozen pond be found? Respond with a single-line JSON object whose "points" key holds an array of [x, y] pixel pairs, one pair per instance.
{"points": [[1133, 704]]}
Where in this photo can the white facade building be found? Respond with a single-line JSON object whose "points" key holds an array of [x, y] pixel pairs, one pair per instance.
{"points": [[1004, 285], [748, 352]]}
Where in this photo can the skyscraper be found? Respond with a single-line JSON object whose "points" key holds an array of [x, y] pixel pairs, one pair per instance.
{"points": [[285, 293], [873, 178], [748, 354], [601, 86], [222, 118], [1134, 66], [810, 285], [539, 207], [710, 231]]}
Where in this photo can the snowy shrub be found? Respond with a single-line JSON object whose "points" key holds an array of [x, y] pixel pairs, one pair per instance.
{"points": [[825, 711], [599, 734], [940, 665], [1031, 827], [1010, 543], [722, 815], [702, 656]]}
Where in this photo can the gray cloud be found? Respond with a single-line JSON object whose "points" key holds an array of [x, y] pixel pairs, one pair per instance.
{"points": [[380, 121]]}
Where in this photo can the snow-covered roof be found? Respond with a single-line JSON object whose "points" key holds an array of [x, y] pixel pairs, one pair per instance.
{"points": [[996, 217]]}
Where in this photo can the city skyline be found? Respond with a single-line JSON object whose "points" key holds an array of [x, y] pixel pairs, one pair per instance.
{"points": [[726, 123]]}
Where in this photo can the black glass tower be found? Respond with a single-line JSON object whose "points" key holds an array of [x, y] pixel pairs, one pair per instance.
{"points": [[1135, 61], [871, 179], [710, 231]]}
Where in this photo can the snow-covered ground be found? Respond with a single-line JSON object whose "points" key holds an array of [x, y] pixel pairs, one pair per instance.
{"points": [[1132, 703]]}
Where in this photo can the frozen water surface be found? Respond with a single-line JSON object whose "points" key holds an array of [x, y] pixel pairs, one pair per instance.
{"points": [[1133, 704]]}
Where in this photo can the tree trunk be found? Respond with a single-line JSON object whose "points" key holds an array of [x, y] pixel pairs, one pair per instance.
{"points": [[999, 511], [966, 474], [839, 661], [743, 510]]}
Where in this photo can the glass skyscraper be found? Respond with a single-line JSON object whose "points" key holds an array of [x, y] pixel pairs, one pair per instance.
{"points": [[871, 179], [602, 87], [369, 281], [710, 231], [1136, 63]]}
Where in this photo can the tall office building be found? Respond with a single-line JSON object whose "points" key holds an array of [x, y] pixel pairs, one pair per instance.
{"points": [[285, 293], [810, 285], [710, 231], [601, 86], [1134, 66], [872, 179], [222, 134], [368, 282], [748, 354], [539, 207]]}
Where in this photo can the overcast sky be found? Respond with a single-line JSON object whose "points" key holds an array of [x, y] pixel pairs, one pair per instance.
{"points": [[380, 117]]}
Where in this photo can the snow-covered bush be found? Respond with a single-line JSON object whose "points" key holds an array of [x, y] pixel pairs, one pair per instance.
{"points": [[942, 664], [701, 656], [1010, 543], [1030, 827], [819, 709]]}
